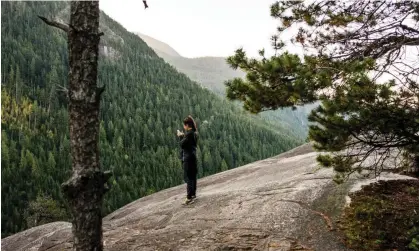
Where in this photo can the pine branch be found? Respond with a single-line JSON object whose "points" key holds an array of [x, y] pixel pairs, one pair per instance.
{"points": [[405, 27]]}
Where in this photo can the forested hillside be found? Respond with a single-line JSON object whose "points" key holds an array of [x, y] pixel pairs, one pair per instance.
{"points": [[212, 72], [143, 106]]}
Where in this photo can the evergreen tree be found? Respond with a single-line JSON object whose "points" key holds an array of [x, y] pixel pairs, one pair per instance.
{"points": [[44, 210], [365, 124]]}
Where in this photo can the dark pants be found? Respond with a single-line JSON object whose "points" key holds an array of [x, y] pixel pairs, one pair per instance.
{"points": [[190, 171]]}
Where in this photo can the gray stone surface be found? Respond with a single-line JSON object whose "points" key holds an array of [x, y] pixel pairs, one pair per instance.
{"points": [[273, 204]]}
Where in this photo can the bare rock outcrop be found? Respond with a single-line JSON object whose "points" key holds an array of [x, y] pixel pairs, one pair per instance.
{"points": [[282, 203]]}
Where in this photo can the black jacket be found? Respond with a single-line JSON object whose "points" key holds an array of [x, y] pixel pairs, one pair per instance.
{"points": [[188, 144]]}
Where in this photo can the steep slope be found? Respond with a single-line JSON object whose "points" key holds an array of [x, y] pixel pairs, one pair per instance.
{"points": [[143, 105], [282, 203], [212, 72]]}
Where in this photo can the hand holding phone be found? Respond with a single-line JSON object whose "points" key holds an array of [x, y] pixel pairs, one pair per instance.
{"points": [[179, 133]]}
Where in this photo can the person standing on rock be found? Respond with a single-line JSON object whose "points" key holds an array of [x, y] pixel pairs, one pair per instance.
{"points": [[188, 142]]}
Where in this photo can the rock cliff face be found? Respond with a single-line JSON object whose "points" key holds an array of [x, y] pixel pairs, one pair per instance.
{"points": [[282, 203]]}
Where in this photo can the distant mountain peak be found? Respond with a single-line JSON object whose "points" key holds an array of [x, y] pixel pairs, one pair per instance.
{"points": [[158, 46]]}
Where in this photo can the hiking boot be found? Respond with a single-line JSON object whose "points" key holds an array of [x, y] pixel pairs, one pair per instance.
{"points": [[187, 201]]}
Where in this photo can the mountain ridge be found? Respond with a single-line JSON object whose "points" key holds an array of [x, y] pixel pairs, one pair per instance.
{"points": [[158, 46], [207, 70]]}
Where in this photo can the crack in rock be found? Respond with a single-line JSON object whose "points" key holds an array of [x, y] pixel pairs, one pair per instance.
{"points": [[307, 206]]}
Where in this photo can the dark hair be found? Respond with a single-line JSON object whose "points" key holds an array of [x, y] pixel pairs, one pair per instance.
{"points": [[189, 121]]}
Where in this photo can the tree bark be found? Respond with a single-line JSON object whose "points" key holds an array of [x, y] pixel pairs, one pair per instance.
{"points": [[416, 165], [85, 189]]}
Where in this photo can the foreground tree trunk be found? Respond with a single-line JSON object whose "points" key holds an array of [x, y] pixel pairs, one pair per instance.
{"points": [[85, 189]]}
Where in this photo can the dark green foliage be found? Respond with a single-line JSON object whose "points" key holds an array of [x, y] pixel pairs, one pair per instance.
{"points": [[143, 105], [383, 216], [367, 124], [281, 81], [44, 210]]}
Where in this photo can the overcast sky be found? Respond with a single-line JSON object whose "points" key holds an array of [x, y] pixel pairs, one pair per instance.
{"points": [[197, 28]]}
